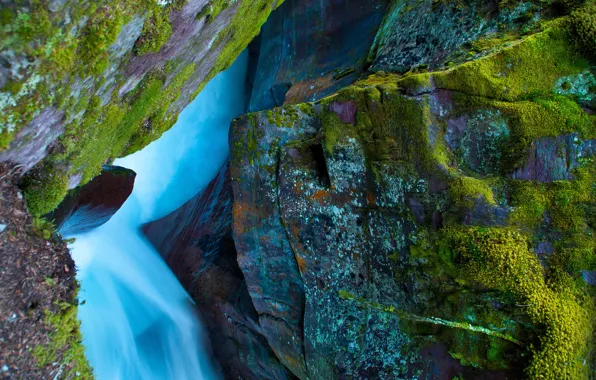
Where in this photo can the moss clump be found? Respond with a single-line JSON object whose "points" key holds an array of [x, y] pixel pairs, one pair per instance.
{"points": [[42, 228], [417, 83], [213, 9], [530, 202], [466, 190], [529, 67], [156, 31], [501, 259], [44, 189], [98, 34], [5, 139], [527, 120], [65, 344], [583, 26]]}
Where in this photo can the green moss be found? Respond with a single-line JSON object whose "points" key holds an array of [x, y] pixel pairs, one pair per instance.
{"points": [[5, 139], [154, 109], [530, 201], [6, 16], [417, 83], [44, 189], [65, 347], [156, 31], [42, 228], [528, 120], [98, 34], [526, 68], [583, 26], [213, 9], [501, 259], [14, 87], [466, 190]]}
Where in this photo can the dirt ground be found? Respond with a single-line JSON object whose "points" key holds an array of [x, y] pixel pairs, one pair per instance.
{"points": [[36, 276]]}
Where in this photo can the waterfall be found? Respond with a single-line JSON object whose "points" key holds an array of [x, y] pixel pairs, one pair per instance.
{"points": [[137, 320]]}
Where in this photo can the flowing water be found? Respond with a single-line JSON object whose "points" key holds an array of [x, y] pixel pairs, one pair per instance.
{"points": [[137, 320]]}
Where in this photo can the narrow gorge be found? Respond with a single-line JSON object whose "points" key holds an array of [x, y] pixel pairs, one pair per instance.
{"points": [[375, 189]]}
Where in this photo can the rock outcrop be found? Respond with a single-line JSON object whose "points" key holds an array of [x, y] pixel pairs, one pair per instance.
{"points": [[398, 219], [420, 225], [310, 49], [196, 242], [85, 82], [90, 206]]}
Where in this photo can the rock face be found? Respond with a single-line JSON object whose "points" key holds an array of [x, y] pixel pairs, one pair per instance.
{"points": [[422, 225], [345, 211], [310, 49], [196, 242], [85, 82], [89, 206], [554, 158], [432, 33]]}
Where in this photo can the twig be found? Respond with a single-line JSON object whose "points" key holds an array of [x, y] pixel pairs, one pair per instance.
{"points": [[11, 171]]}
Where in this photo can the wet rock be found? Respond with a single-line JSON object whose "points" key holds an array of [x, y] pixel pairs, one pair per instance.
{"points": [[196, 242], [553, 158], [309, 49], [589, 277], [335, 217], [31, 143], [89, 206], [430, 33], [317, 230]]}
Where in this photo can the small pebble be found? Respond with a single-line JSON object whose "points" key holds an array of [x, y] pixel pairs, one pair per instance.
{"points": [[20, 195], [2, 227], [4, 368]]}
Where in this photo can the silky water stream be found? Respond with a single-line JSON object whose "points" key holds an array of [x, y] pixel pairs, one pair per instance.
{"points": [[137, 320]]}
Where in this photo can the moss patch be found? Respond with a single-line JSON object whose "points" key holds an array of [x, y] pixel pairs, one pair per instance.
{"points": [[501, 259], [99, 129], [515, 72], [65, 339], [583, 26]]}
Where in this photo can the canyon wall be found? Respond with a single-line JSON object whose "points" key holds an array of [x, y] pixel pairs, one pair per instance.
{"points": [[432, 220]]}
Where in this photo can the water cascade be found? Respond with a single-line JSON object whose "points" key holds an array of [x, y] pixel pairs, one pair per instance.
{"points": [[137, 320]]}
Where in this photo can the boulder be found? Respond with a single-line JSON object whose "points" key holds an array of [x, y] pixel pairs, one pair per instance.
{"points": [[93, 204]]}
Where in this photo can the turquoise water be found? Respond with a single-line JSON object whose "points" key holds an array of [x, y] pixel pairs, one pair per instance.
{"points": [[137, 320]]}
